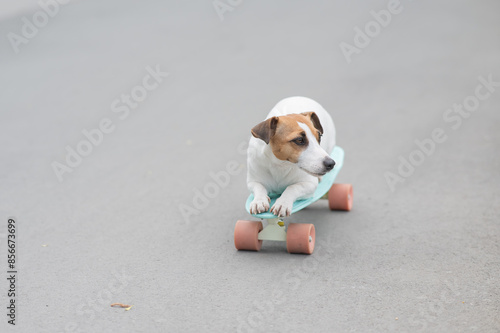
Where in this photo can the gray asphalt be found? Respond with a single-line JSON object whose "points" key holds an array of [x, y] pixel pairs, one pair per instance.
{"points": [[129, 222]]}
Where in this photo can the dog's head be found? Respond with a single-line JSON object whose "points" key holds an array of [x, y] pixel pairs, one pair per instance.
{"points": [[296, 138]]}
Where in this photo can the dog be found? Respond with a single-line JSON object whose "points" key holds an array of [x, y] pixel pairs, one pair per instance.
{"points": [[288, 153]]}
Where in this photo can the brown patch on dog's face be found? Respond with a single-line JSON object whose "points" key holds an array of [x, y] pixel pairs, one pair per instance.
{"points": [[289, 139]]}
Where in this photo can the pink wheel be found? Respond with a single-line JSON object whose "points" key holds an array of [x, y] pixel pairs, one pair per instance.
{"points": [[300, 238], [340, 197], [246, 235]]}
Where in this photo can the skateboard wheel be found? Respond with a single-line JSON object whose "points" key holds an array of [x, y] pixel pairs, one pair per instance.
{"points": [[246, 235], [300, 238], [340, 197]]}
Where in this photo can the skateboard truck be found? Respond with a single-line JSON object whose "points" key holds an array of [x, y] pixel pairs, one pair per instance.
{"points": [[275, 231]]}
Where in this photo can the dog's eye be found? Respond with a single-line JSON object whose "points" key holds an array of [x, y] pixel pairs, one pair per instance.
{"points": [[319, 137], [299, 141]]}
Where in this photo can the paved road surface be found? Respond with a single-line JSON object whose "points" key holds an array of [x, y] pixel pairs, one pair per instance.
{"points": [[129, 222]]}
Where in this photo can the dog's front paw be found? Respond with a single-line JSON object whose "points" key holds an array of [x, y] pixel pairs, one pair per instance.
{"points": [[282, 207], [260, 205]]}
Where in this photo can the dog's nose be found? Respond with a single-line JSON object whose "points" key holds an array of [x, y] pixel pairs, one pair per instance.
{"points": [[328, 163]]}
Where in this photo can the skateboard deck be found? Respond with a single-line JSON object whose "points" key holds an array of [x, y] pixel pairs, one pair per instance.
{"points": [[323, 187]]}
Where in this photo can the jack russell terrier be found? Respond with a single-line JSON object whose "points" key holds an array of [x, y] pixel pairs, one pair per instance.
{"points": [[288, 154]]}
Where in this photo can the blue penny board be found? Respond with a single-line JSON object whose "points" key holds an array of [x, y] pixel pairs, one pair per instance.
{"points": [[323, 187]]}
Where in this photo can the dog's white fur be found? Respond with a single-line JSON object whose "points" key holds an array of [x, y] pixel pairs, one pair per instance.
{"points": [[294, 181]]}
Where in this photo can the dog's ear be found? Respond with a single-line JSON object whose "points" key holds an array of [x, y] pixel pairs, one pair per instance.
{"points": [[266, 129], [315, 120]]}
